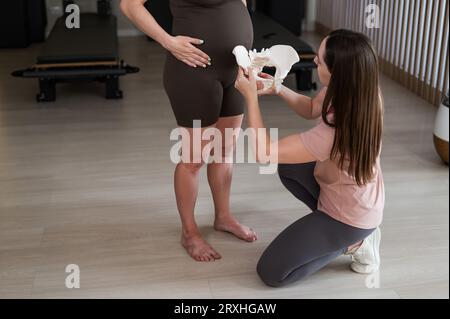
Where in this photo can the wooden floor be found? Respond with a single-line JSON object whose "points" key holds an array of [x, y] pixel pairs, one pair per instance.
{"points": [[88, 181]]}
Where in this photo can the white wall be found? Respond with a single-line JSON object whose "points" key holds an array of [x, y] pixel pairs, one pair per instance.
{"points": [[310, 21], [413, 38]]}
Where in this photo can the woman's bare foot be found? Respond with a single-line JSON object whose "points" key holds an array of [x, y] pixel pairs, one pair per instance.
{"points": [[198, 248], [230, 224]]}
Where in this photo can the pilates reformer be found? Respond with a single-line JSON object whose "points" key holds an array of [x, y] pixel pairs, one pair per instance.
{"points": [[89, 53], [268, 33]]}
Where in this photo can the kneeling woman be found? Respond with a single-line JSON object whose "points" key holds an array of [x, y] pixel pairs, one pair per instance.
{"points": [[334, 168]]}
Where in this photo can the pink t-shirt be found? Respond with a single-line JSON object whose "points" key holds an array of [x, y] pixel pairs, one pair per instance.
{"points": [[340, 196]]}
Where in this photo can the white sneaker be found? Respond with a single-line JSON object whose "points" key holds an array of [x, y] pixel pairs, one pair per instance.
{"points": [[366, 259]]}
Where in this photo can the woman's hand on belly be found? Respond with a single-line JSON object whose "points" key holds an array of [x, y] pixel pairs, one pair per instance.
{"points": [[184, 49]]}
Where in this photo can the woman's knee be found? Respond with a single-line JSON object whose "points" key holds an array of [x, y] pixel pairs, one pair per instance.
{"points": [[269, 274], [192, 167], [278, 279], [222, 155]]}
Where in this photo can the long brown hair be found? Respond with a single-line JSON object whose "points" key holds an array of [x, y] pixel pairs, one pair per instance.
{"points": [[354, 95]]}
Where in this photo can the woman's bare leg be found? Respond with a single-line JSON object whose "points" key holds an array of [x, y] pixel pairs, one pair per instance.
{"points": [[186, 190], [219, 178]]}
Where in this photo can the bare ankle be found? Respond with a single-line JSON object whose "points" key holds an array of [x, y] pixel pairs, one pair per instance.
{"points": [[190, 232], [224, 216]]}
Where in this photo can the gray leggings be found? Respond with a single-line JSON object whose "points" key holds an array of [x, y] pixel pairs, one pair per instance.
{"points": [[310, 243]]}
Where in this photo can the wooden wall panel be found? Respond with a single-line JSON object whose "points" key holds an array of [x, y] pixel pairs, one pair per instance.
{"points": [[412, 41]]}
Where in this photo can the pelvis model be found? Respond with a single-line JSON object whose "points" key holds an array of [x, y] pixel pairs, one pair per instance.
{"points": [[282, 57]]}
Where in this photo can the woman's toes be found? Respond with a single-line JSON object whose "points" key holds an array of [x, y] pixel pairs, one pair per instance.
{"points": [[199, 249], [207, 255], [212, 254], [253, 236], [234, 227], [211, 257]]}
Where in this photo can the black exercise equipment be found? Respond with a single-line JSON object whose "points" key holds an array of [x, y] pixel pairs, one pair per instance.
{"points": [[289, 14], [22, 22], [37, 20], [65, 4], [269, 33], [104, 7], [89, 53]]}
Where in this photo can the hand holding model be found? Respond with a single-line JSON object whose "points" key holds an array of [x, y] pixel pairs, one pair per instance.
{"points": [[282, 57]]}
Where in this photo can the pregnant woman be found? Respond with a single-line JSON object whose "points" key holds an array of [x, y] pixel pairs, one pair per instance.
{"points": [[199, 78]]}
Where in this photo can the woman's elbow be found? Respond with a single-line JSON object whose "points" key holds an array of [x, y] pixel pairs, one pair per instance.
{"points": [[124, 6]]}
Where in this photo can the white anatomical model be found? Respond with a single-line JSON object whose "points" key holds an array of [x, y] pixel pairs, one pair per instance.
{"points": [[282, 57]]}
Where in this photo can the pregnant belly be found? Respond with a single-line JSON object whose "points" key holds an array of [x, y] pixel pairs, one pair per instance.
{"points": [[221, 27]]}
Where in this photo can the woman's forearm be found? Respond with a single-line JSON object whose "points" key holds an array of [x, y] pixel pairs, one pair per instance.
{"points": [[139, 15], [301, 104], [255, 122]]}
